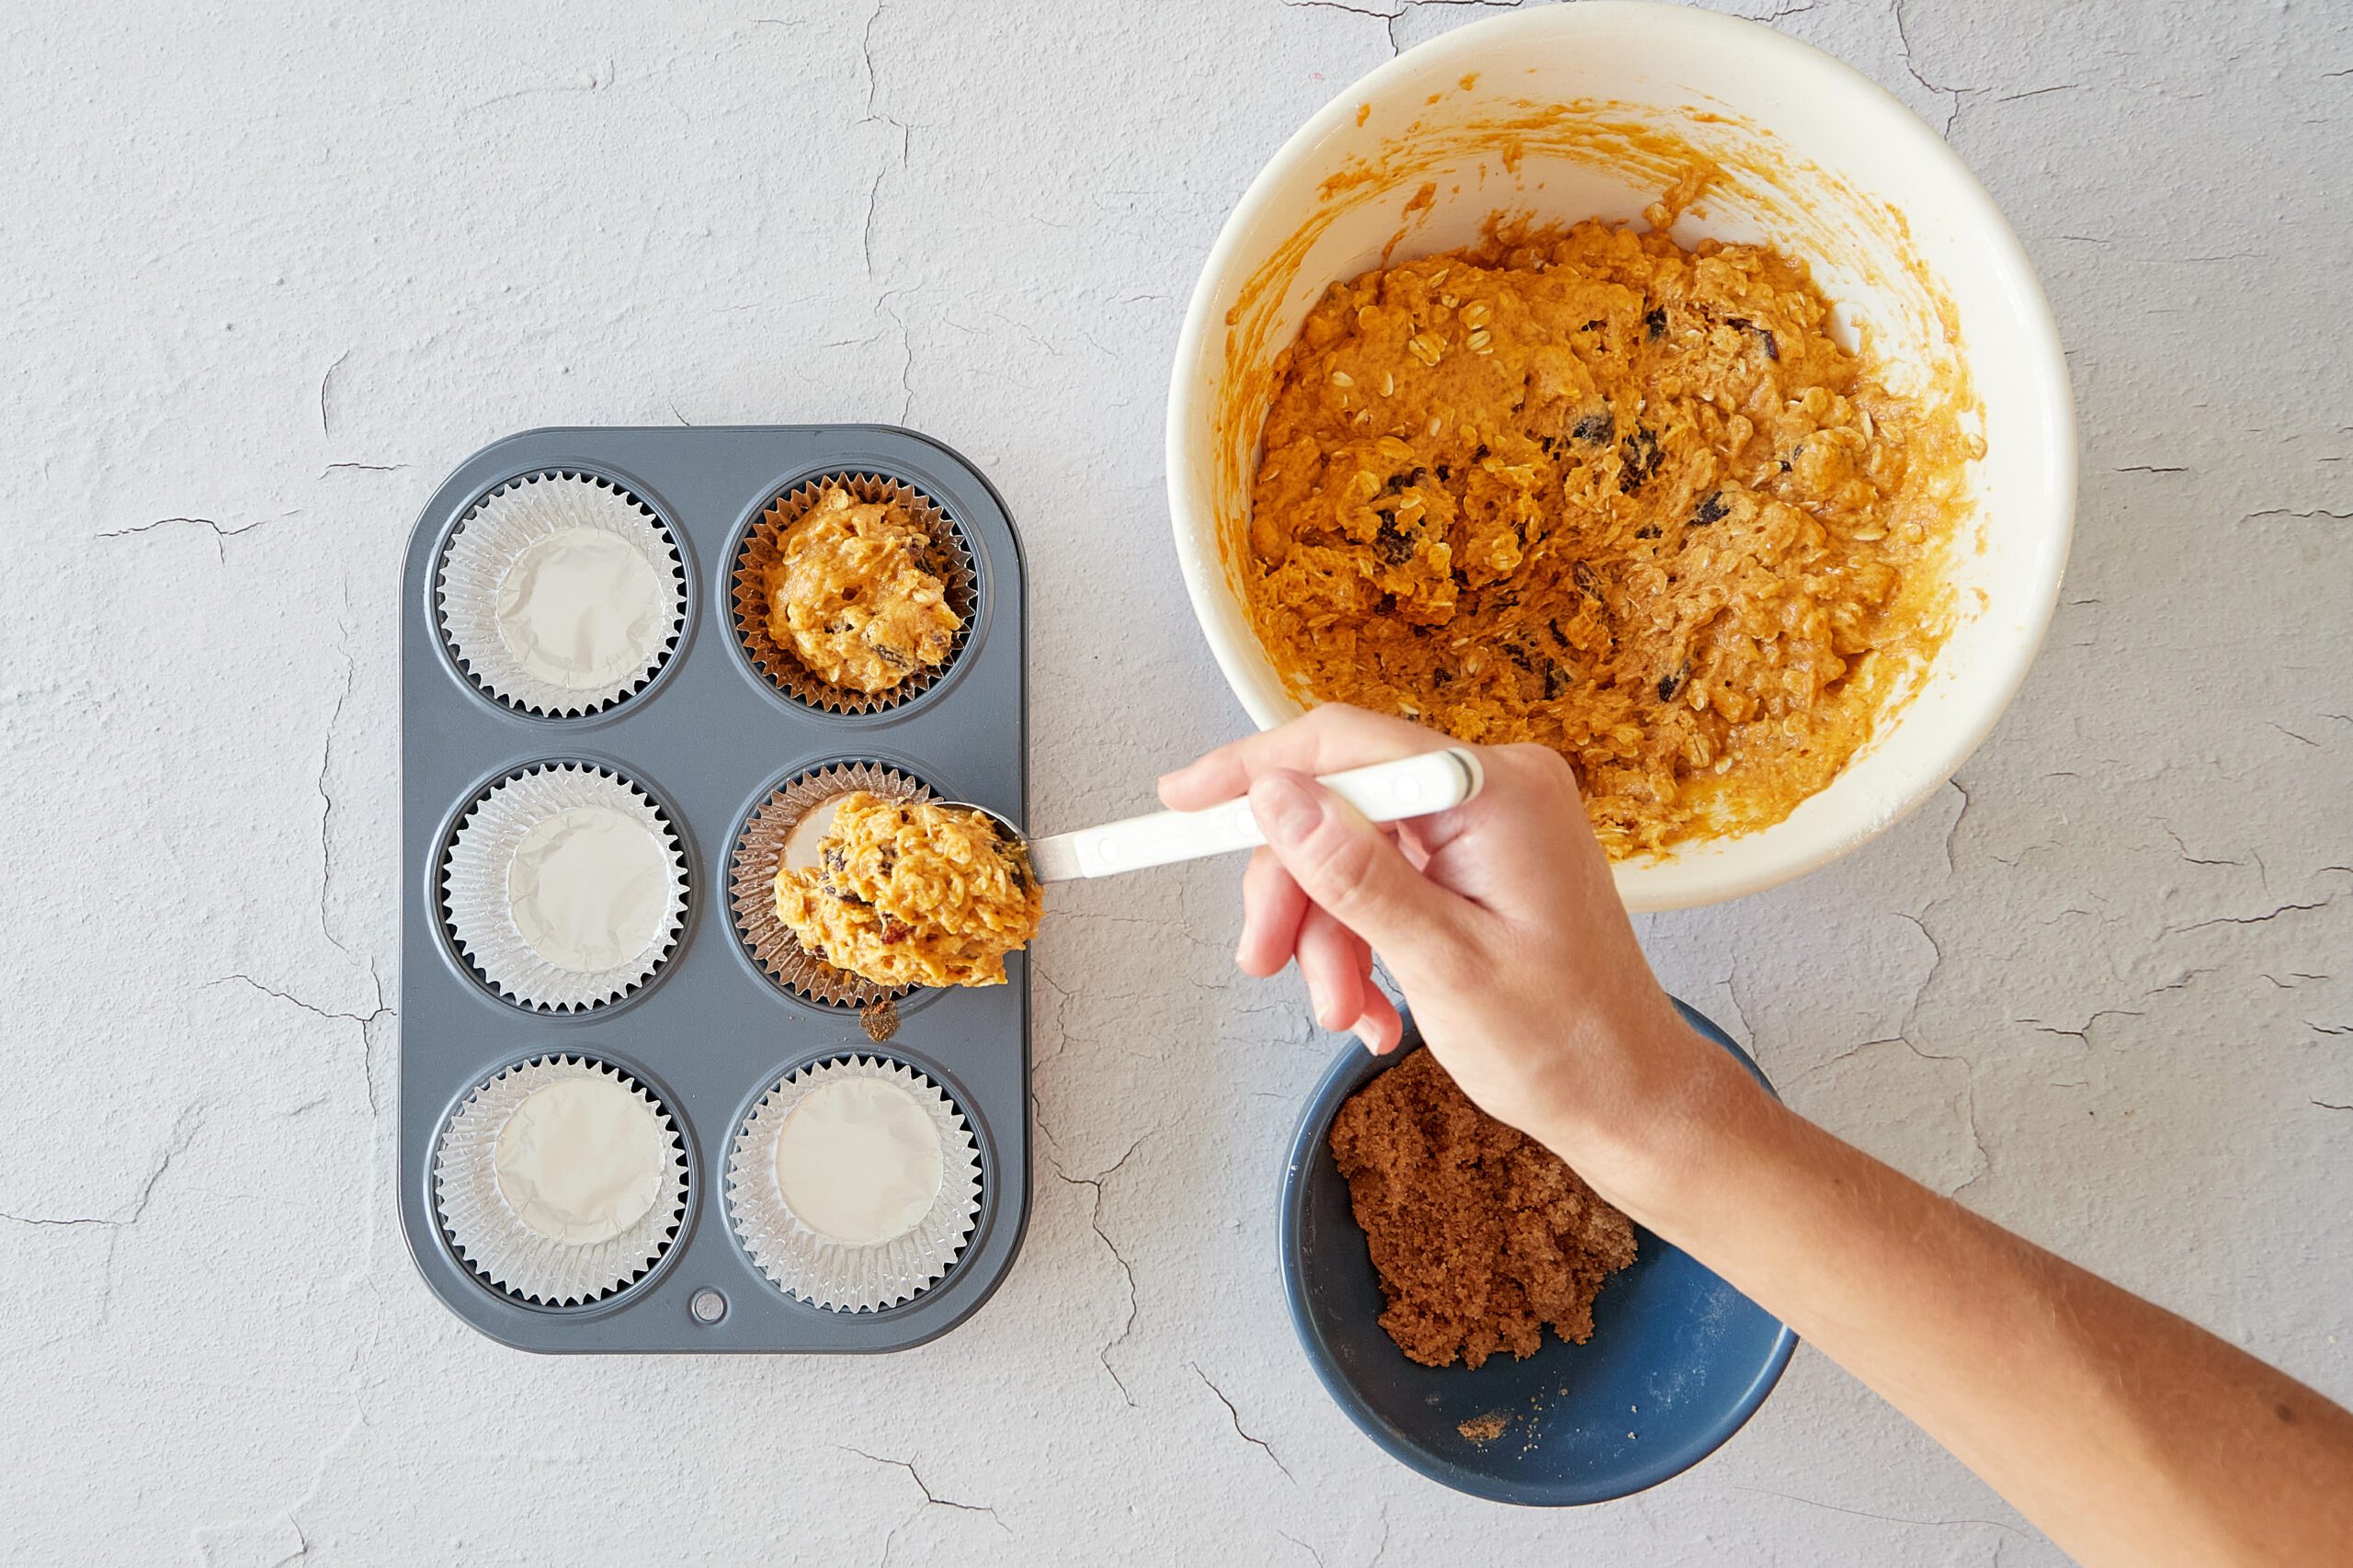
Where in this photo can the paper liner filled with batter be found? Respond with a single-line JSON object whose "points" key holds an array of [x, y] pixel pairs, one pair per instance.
{"points": [[760, 553], [761, 851], [827, 1272], [561, 594], [564, 887], [497, 1242]]}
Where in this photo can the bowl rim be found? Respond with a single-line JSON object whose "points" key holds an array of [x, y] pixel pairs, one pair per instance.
{"points": [[1355, 1066], [1649, 884]]}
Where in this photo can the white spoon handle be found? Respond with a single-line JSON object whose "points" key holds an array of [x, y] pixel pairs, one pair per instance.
{"points": [[1387, 792]]}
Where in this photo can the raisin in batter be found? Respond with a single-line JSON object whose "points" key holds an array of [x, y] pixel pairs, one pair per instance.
{"points": [[912, 892], [1588, 488]]}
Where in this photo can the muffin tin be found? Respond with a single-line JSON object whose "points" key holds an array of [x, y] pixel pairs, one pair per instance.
{"points": [[707, 739]]}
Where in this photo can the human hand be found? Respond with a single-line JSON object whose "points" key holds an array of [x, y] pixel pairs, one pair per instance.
{"points": [[1498, 919]]}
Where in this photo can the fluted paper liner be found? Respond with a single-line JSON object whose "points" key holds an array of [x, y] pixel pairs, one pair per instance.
{"points": [[494, 536], [496, 1244], [752, 888], [835, 1274], [760, 552], [475, 902]]}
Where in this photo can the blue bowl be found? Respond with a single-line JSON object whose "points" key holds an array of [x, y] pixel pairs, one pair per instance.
{"points": [[1677, 1361]]}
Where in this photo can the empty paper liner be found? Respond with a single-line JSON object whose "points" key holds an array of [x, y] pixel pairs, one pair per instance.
{"points": [[854, 1184], [559, 1181], [564, 887], [561, 594]]}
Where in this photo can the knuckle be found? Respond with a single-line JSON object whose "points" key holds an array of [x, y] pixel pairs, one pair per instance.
{"points": [[1535, 758], [1541, 765]]}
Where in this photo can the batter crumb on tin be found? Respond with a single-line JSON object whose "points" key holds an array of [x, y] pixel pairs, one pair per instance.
{"points": [[1588, 488], [857, 595], [912, 892], [1480, 1235]]}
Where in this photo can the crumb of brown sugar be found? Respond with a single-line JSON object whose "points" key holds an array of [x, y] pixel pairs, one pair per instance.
{"points": [[1484, 1428]]}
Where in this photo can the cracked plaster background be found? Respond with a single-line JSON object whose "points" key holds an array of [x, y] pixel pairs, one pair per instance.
{"points": [[270, 277]]}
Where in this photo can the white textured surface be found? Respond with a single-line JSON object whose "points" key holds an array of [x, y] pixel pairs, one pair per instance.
{"points": [[269, 279]]}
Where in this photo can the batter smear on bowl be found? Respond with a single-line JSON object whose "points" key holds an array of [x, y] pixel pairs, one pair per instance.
{"points": [[1482, 1236], [1588, 488], [911, 893]]}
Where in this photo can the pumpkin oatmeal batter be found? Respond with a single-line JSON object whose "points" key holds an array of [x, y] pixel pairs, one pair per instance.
{"points": [[911, 893], [1586, 488], [1481, 1234], [856, 597]]}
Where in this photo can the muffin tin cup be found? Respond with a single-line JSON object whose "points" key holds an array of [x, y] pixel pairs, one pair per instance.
{"points": [[483, 1228], [839, 1276], [752, 875], [478, 888], [760, 552], [709, 1032], [614, 539]]}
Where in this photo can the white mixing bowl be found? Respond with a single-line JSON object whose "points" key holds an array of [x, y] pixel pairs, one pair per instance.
{"points": [[1591, 110]]}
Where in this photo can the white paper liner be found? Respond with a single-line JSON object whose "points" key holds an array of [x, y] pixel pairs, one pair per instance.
{"points": [[474, 900], [496, 1244], [508, 522], [825, 1272]]}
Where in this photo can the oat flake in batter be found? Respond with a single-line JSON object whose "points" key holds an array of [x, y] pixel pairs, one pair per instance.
{"points": [[1586, 488]]}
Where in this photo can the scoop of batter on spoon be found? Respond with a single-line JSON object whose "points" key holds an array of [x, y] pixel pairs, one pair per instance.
{"points": [[906, 892], [909, 893]]}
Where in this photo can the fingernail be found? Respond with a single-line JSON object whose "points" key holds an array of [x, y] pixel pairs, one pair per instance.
{"points": [[1286, 809]]}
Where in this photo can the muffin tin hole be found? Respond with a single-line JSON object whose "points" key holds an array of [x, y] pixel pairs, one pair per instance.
{"points": [[941, 552], [563, 887]]}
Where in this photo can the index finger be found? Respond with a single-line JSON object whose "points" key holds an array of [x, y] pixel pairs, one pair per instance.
{"points": [[1324, 740]]}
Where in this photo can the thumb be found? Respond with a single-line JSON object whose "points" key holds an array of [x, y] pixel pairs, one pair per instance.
{"points": [[1350, 868]]}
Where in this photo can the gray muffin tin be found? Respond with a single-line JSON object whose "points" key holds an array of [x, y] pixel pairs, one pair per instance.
{"points": [[708, 738]]}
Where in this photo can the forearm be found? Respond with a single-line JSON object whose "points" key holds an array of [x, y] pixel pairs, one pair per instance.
{"points": [[2125, 1432]]}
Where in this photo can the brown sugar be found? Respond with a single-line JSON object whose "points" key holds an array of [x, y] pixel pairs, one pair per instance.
{"points": [[1481, 1234], [1484, 1428]]}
